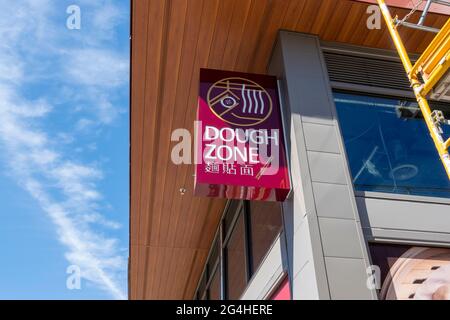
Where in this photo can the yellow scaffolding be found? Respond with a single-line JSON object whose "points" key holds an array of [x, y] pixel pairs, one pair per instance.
{"points": [[432, 65]]}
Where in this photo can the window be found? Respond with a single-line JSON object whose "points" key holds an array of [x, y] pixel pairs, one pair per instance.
{"points": [[389, 147], [213, 260], [202, 293], [265, 225], [235, 261], [213, 271], [245, 235], [228, 219], [209, 285], [214, 288]]}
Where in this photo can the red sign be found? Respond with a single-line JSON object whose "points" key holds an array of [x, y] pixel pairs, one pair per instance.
{"points": [[240, 152]]}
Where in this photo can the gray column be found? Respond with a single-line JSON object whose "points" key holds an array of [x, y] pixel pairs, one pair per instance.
{"points": [[327, 253]]}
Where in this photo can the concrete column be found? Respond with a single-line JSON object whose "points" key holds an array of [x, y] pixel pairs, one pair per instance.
{"points": [[327, 253]]}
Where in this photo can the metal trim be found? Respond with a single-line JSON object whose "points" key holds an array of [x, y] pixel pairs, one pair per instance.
{"points": [[401, 197]]}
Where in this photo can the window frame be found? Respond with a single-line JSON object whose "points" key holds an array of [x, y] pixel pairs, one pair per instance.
{"points": [[391, 96], [226, 242], [231, 214]]}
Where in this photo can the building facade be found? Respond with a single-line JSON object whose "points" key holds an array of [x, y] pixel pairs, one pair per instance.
{"points": [[368, 214]]}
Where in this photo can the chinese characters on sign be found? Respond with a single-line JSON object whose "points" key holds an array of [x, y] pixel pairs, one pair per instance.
{"points": [[229, 168], [240, 151]]}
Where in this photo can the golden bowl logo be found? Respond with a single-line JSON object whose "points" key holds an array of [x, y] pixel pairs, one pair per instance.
{"points": [[240, 102]]}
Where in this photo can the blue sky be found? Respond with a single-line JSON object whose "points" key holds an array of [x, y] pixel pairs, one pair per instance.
{"points": [[64, 141]]}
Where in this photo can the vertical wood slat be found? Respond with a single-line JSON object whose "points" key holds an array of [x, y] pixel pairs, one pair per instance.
{"points": [[267, 36], [142, 116], [171, 57], [182, 205], [139, 32], [190, 47]]}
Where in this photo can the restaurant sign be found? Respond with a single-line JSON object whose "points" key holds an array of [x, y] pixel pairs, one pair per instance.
{"points": [[240, 147]]}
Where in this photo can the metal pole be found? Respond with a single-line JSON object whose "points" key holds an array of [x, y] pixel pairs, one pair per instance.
{"points": [[418, 27], [424, 13], [395, 36]]}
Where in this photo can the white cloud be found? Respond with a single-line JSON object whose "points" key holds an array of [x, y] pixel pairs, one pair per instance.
{"points": [[40, 108], [88, 251], [71, 171], [97, 67], [29, 158], [74, 181], [97, 71], [65, 189], [107, 112], [84, 124], [107, 17], [44, 157], [10, 69], [64, 138]]}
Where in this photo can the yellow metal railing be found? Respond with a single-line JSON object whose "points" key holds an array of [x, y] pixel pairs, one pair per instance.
{"points": [[432, 64]]}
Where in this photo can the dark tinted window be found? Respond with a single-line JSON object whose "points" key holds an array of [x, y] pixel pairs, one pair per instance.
{"points": [[265, 225], [249, 229], [214, 289], [229, 216], [235, 254], [202, 288], [214, 258]]}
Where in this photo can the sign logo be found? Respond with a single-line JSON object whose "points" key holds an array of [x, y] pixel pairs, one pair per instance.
{"points": [[240, 102]]}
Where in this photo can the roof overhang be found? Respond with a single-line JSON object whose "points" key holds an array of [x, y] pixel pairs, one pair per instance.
{"points": [[171, 232]]}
